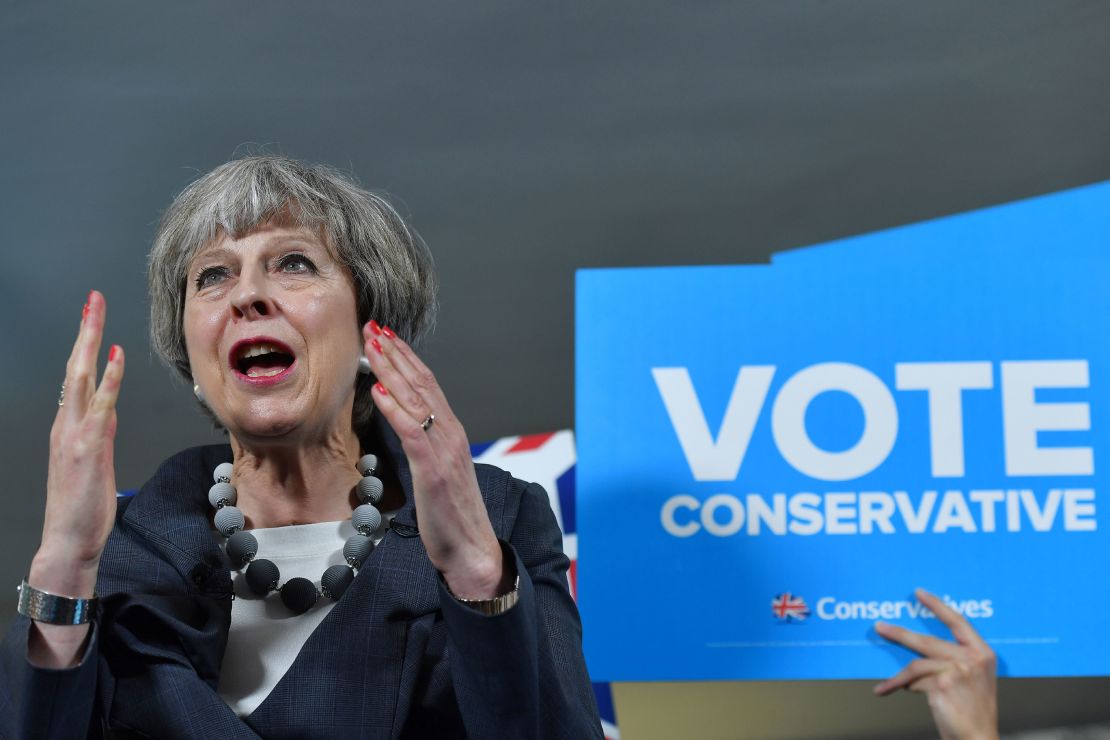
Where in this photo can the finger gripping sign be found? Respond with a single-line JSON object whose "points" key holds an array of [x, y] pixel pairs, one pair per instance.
{"points": [[771, 458]]}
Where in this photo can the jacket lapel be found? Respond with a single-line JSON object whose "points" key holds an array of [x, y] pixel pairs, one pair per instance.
{"points": [[169, 613], [170, 513]]}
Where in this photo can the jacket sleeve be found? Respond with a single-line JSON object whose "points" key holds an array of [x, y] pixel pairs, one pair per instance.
{"points": [[522, 673], [45, 702]]}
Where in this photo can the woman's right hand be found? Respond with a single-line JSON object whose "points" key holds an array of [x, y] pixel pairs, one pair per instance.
{"points": [[81, 481]]}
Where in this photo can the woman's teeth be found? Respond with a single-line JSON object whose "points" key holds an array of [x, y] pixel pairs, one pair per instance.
{"points": [[255, 350], [255, 372], [263, 360]]}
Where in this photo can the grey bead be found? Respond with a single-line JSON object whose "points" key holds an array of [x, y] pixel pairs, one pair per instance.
{"points": [[356, 549], [262, 576], [229, 520], [223, 472], [221, 494], [241, 548], [367, 464], [370, 489], [335, 581], [365, 519]]}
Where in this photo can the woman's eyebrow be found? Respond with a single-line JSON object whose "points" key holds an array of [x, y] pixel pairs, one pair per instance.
{"points": [[287, 240], [209, 253]]}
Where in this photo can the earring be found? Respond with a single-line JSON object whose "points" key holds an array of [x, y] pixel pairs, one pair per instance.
{"points": [[363, 365], [198, 392]]}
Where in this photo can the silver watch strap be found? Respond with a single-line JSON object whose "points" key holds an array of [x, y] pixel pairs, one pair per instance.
{"points": [[53, 609], [496, 605]]}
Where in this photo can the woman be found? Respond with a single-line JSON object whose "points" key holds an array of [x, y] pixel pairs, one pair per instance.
{"points": [[288, 297]]}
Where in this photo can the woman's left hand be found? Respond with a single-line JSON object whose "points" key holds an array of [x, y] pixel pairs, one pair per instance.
{"points": [[451, 514], [958, 678]]}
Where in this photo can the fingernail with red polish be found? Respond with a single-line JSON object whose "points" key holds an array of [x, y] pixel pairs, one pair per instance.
{"points": [[375, 328], [388, 332], [381, 389], [376, 345], [113, 352]]}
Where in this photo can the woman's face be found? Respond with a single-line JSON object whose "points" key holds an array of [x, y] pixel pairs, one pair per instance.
{"points": [[271, 328]]}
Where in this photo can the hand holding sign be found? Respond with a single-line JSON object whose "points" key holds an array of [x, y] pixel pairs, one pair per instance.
{"points": [[957, 677]]}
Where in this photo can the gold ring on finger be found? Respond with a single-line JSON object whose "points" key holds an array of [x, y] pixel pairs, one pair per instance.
{"points": [[427, 423]]}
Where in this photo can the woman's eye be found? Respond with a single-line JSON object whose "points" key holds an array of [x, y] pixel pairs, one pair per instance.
{"points": [[210, 276], [296, 263]]}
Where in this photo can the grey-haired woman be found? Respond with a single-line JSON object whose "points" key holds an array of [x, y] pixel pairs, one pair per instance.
{"points": [[288, 297]]}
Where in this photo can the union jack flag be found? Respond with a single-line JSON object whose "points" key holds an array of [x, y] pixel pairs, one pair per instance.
{"points": [[789, 608]]}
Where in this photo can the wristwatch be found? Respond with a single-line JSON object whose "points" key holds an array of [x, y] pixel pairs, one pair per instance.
{"points": [[496, 605]]}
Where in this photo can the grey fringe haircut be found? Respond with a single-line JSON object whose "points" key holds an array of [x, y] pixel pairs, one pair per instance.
{"points": [[394, 277]]}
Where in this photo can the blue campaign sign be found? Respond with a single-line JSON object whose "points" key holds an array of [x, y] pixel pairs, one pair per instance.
{"points": [[770, 458]]}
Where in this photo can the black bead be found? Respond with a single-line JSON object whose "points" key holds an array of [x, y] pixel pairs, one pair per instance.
{"points": [[262, 576], [299, 595], [335, 581]]}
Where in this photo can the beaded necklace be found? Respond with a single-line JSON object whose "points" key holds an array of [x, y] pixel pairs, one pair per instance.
{"points": [[262, 576]]}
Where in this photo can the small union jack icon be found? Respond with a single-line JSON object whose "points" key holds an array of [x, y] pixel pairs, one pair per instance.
{"points": [[789, 608]]}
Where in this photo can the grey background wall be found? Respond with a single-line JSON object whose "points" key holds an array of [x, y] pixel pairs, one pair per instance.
{"points": [[524, 141]]}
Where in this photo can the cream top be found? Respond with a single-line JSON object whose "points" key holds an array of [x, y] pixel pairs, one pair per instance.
{"points": [[265, 637]]}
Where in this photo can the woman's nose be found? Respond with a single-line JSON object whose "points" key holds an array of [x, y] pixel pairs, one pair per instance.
{"points": [[251, 297]]}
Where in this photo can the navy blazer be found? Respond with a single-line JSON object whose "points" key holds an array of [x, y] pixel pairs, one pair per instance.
{"points": [[396, 657]]}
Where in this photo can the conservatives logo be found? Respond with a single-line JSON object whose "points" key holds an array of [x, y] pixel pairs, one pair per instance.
{"points": [[789, 608], [829, 607]]}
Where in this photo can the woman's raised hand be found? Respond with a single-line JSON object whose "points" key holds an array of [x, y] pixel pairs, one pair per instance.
{"points": [[958, 678], [454, 525], [81, 482], [80, 487]]}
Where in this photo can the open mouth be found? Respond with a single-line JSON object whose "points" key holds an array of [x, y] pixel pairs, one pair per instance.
{"points": [[261, 358]]}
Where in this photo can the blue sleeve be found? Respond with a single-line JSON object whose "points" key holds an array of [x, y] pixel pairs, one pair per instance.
{"points": [[45, 702], [522, 673]]}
